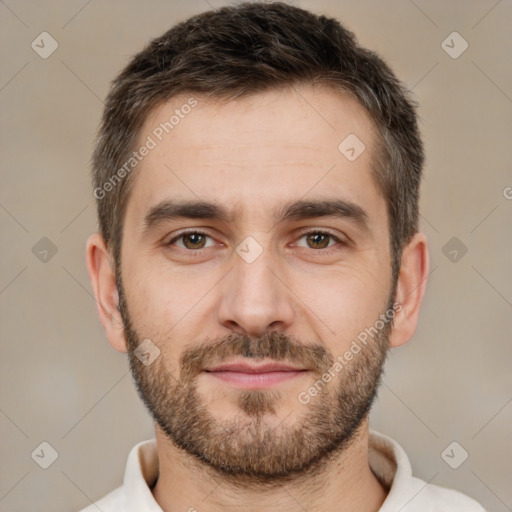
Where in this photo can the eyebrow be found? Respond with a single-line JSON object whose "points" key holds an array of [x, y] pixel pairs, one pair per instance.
{"points": [[294, 211]]}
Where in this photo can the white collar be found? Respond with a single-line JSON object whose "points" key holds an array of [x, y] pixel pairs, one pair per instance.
{"points": [[387, 460]]}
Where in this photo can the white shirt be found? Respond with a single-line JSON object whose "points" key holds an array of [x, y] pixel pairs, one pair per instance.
{"points": [[387, 459]]}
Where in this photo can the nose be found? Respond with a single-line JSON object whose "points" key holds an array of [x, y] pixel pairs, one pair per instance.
{"points": [[254, 297]]}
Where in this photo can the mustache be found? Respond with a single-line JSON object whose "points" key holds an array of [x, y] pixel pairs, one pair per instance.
{"points": [[275, 346]]}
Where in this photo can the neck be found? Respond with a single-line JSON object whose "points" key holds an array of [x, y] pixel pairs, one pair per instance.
{"points": [[344, 483]]}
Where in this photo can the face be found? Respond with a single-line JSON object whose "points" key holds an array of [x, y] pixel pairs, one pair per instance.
{"points": [[255, 256]]}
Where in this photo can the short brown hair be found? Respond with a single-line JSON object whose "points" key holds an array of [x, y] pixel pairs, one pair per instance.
{"points": [[237, 51]]}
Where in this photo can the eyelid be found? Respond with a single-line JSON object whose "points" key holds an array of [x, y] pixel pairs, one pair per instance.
{"points": [[181, 234], [323, 231]]}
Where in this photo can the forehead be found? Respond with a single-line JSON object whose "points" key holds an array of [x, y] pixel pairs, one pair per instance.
{"points": [[258, 151]]}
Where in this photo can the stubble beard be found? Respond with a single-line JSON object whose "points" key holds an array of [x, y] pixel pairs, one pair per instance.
{"points": [[254, 447]]}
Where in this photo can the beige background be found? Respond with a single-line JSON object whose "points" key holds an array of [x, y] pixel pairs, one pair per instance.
{"points": [[60, 381]]}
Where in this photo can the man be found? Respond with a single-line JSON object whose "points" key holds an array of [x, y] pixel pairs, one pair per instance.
{"points": [[257, 179]]}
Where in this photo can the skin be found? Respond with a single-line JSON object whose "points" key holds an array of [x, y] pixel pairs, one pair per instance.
{"points": [[252, 155]]}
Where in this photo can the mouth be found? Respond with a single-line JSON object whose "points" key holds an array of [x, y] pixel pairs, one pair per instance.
{"points": [[254, 376]]}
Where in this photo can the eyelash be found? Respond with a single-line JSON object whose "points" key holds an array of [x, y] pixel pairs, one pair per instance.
{"points": [[312, 231]]}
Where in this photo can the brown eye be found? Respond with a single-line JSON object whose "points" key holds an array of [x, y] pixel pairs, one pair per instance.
{"points": [[192, 240], [318, 240]]}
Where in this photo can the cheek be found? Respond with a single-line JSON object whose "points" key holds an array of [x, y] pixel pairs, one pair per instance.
{"points": [[346, 300], [167, 305], [158, 294]]}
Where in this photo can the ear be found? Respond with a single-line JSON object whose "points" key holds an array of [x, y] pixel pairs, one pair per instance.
{"points": [[411, 286], [103, 282]]}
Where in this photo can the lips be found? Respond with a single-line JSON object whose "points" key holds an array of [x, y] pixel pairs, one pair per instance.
{"points": [[254, 376], [247, 368]]}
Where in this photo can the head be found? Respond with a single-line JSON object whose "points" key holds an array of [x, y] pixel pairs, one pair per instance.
{"points": [[257, 180]]}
